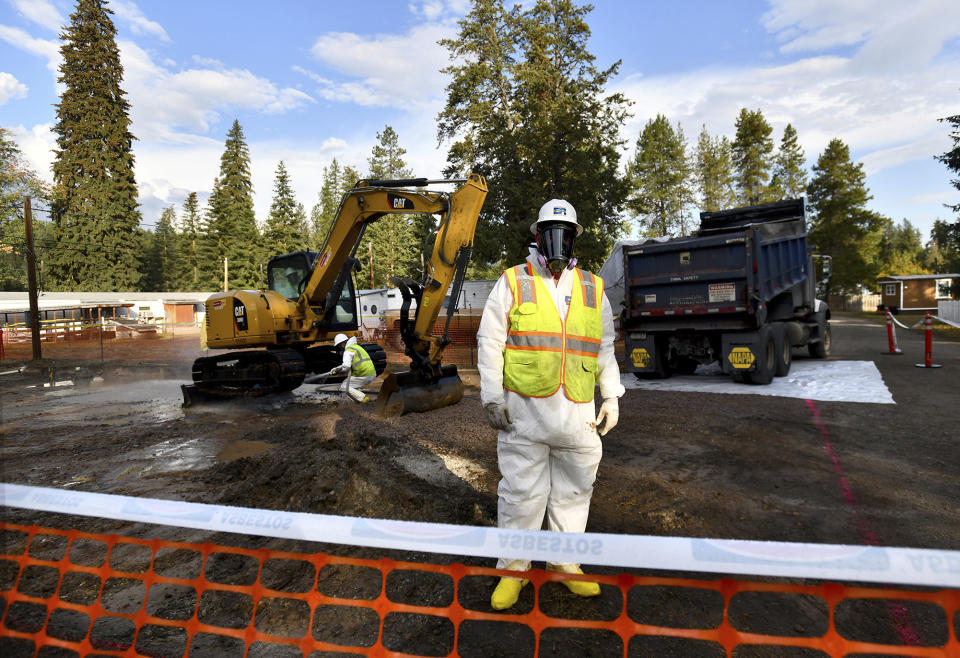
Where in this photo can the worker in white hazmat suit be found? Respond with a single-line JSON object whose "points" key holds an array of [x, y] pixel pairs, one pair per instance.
{"points": [[545, 340], [357, 364]]}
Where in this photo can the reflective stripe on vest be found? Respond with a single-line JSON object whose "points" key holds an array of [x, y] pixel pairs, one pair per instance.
{"points": [[544, 352], [362, 365]]}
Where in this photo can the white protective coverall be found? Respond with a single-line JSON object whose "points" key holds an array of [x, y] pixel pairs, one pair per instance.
{"points": [[352, 385], [548, 460]]}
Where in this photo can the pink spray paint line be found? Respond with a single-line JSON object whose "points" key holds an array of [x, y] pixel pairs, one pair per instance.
{"points": [[906, 631]]}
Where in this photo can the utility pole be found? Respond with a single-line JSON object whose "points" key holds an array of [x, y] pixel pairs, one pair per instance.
{"points": [[225, 289], [32, 279]]}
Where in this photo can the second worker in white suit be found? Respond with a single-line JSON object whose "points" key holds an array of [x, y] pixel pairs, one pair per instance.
{"points": [[545, 341]]}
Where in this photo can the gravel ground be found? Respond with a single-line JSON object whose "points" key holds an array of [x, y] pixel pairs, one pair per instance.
{"points": [[678, 464]]}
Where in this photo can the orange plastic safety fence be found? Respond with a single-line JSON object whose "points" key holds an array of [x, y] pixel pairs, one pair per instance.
{"points": [[462, 333], [111, 595]]}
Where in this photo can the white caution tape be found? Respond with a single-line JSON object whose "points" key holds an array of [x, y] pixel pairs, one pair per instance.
{"points": [[950, 322], [898, 323], [833, 562]]}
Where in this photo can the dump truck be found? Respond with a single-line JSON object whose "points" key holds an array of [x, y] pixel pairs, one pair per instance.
{"points": [[741, 291]]}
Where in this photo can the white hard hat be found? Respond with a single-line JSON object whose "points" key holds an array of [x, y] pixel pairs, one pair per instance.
{"points": [[339, 338], [557, 210]]}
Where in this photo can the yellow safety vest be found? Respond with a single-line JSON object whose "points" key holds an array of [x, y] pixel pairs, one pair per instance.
{"points": [[362, 365], [544, 351]]}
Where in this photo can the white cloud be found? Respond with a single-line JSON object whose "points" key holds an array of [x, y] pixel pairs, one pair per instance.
{"points": [[11, 88], [41, 12], [383, 70], [822, 97], [47, 48], [37, 145], [333, 144], [163, 101], [130, 14], [891, 34]]}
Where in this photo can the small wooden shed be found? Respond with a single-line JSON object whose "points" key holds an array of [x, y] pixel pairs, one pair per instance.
{"points": [[916, 292]]}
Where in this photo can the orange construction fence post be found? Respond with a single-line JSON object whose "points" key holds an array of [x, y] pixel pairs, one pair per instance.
{"points": [[892, 335], [928, 343]]}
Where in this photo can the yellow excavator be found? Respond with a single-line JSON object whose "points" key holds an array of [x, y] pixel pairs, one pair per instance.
{"points": [[283, 333]]}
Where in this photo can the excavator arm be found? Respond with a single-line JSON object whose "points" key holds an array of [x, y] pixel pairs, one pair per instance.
{"points": [[427, 385]]}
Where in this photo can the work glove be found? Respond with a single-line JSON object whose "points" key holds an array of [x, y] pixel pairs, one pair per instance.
{"points": [[497, 416], [339, 369], [608, 416]]}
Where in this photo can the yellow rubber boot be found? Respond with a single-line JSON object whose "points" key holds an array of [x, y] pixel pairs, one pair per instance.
{"points": [[582, 588], [507, 593]]}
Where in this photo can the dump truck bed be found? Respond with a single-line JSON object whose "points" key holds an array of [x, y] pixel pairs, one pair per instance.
{"points": [[720, 278]]}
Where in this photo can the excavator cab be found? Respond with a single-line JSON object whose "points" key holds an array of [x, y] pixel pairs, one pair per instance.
{"points": [[288, 274]]}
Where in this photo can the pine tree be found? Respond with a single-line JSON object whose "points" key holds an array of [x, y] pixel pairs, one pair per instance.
{"points": [[662, 178], [841, 226], [752, 149], [951, 158], [789, 179], [191, 235], [528, 109], [901, 249], [714, 167], [232, 225], [395, 249], [161, 254], [95, 190], [943, 250], [285, 225]]}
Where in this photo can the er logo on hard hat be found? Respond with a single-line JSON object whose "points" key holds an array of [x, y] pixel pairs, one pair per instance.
{"points": [[741, 358], [640, 358]]}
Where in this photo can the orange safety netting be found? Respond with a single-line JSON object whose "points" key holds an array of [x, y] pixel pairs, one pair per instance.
{"points": [[112, 595]]}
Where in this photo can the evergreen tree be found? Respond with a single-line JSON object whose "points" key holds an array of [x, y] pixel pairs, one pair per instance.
{"points": [[336, 181], [943, 250], [951, 234], [161, 254], [285, 230], [17, 181], [191, 235], [752, 149], [95, 192], [789, 179], [841, 226], [528, 109], [662, 178], [901, 250], [232, 225], [714, 172], [952, 159], [394, 245]]}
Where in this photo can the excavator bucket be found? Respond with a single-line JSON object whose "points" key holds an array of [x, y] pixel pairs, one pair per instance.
{"points": [[406, 392]]}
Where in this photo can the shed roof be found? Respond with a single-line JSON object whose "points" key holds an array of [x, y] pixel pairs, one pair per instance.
{"points": [[909, 277]]}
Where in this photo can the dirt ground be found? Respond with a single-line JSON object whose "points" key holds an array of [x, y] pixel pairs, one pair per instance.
{"points": [[678, 464]]}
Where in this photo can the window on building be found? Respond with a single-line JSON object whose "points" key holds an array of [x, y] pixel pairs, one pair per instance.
{"points": [[890, 289], [943, 288]]}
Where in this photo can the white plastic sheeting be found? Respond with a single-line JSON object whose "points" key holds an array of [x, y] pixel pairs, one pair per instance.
{"points": [[831, 381]]}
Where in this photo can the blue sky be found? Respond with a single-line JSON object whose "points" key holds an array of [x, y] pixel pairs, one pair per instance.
{"points": [[310, 81]]}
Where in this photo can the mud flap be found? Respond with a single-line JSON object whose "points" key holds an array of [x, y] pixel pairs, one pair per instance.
{"points": [[406, 392]]}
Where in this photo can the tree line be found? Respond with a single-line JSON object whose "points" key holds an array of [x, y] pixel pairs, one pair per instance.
{"points": [[527, 106]]}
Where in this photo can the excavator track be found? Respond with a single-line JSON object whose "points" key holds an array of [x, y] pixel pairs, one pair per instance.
{"points": [[248, 373]]}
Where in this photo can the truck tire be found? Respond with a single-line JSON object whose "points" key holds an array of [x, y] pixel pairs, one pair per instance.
{"points": [[766, 358], [784, 350], [821, 349]]}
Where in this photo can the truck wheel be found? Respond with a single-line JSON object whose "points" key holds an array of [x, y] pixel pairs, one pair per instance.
{"points": [[821, 349], [784, 350], [766, 358]]}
